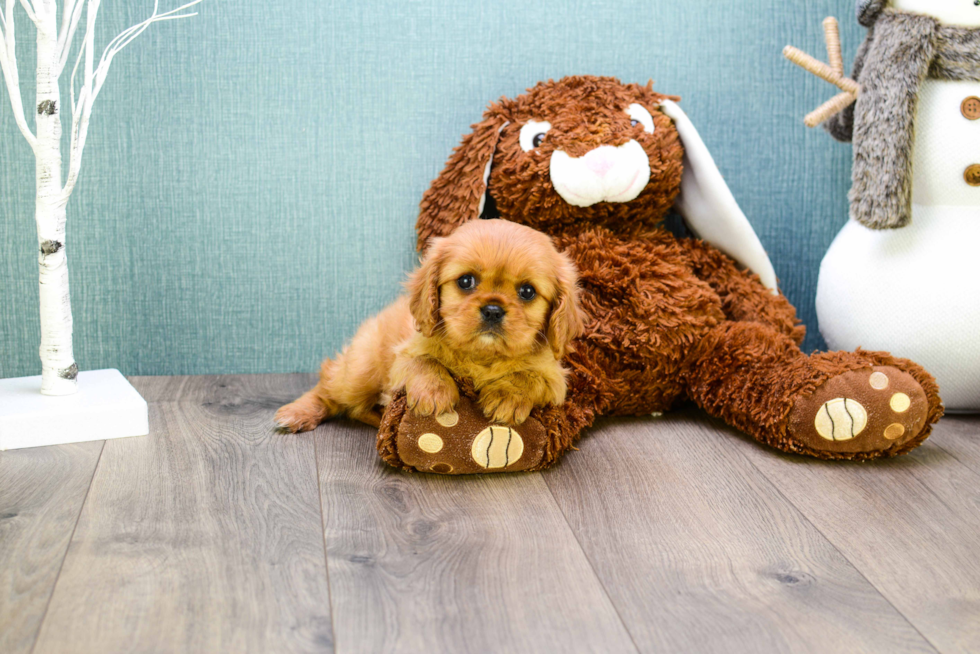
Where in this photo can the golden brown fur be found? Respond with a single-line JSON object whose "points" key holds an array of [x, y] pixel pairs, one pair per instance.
{"points": [[437, 330]]}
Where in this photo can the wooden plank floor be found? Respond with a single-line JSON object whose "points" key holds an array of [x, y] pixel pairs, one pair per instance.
{"points": [[41, 494], [659, 535], [702, 553]]}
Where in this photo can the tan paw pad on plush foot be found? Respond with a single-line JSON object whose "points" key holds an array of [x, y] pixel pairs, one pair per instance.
{"points": [[868, 410], [497, 447]]}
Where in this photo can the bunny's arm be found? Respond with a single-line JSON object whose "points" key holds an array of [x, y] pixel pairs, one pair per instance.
{"points": [[744, 297]]}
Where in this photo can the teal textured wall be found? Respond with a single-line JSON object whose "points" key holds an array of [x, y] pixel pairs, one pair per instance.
{"points": [[250, 184]]}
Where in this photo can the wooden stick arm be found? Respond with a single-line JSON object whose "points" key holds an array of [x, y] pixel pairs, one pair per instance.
{"points": [[831, 34], [821, 70], [832, 73], [830, 108]]}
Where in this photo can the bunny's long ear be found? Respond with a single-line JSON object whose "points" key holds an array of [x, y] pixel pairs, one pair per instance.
{"points": [[459, 193], [708, 206]]}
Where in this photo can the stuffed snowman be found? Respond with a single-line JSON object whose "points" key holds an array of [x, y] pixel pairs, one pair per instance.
{"points": [[904, 273]]}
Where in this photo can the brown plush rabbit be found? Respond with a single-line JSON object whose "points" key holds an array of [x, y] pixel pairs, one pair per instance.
{"points": [[597, 164]]}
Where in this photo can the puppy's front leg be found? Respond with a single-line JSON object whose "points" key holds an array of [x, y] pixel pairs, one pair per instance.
{"points": [[429, 388], [510, 399]]}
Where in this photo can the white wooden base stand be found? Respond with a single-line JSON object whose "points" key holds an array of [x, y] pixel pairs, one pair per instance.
{"points": [[105, 406]]}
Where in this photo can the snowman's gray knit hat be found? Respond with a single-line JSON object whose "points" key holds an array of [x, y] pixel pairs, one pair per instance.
{"points": [[868, 10]]}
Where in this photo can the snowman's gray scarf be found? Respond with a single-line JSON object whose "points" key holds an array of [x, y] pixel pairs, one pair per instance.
{"points": [[900, 52]]}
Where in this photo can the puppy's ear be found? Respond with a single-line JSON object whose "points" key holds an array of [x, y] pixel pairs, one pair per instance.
{"points": [[459, 193], [423, 289], [565, 320]]}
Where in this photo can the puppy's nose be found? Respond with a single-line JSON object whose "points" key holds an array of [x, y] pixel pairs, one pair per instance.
{"points": [[601, 160], [492, 313]]}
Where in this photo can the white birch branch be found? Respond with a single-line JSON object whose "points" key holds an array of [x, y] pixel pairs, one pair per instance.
{"points": [[11, 76], [30, 10], [54, 42], [70, 17], [66, 11], [58, 368], [95, 76]]}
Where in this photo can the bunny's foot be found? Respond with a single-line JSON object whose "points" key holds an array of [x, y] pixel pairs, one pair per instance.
{"points": [[463, 441], [876, 411]]}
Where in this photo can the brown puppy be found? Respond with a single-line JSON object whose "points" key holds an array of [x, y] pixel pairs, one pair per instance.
{"points": [[494, 302]]}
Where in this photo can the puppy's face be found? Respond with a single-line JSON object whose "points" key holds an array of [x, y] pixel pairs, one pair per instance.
{"points": [[495, 288]]}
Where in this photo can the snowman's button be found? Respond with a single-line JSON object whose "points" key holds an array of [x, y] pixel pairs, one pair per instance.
{"points": [[972, 175], [971, 108]]}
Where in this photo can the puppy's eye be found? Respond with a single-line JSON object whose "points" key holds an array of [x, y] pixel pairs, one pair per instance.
{"points": [[640, 116], [466, 282], [532, 134], [526, 292]]}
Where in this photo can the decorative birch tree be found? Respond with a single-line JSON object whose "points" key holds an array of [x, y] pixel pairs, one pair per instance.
{"points": [[54, 46]]}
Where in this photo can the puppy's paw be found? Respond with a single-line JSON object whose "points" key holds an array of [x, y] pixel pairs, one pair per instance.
{"points": [[506, 408], [302, 415], [431, 396]]}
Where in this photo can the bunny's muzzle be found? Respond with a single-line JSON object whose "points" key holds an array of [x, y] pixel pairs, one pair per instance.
{"points": [[605, 174]]}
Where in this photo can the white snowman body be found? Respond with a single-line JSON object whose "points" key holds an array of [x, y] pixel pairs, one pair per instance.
{"points": [[915, 291]]}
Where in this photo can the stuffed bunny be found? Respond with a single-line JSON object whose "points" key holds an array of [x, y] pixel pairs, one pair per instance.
{"points": [[902, 274], [598, 164]]}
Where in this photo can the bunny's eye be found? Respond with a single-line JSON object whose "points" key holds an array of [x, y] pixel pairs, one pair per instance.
{"points": [[532, 134], [640, 116]]}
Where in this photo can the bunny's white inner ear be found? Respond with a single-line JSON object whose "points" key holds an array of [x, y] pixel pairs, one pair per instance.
{"points": [[486, 172], [708, 206]]}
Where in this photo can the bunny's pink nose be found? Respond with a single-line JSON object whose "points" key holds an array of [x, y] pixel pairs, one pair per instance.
{"points": [[600, 161]]}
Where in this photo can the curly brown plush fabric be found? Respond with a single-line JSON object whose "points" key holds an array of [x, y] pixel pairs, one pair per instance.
{"points": [[668, 318], [585, 112]]}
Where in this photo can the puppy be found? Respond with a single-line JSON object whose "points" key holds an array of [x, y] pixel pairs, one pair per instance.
{"points": [[494, 302]]}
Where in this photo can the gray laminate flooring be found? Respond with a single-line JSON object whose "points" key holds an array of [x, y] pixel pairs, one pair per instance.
{"points": [[671, 534]]}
